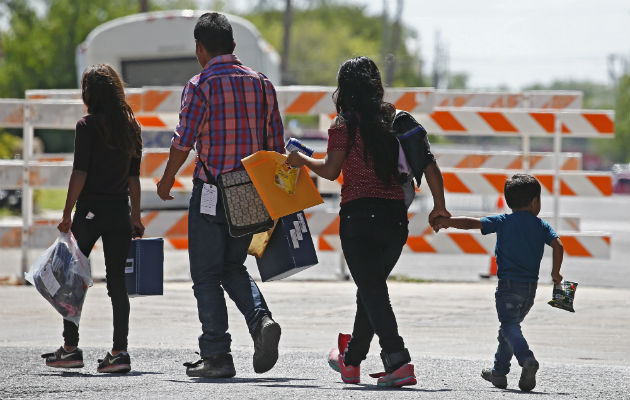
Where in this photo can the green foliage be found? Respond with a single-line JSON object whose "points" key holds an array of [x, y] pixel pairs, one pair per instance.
{"points": [[39, 51], [9, 145], [617, 150], [326, 34]]}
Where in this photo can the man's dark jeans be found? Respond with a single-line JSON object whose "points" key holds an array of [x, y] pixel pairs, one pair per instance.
{"points": [[216, 264], [373, 232], [513, 301], [108, 220]]}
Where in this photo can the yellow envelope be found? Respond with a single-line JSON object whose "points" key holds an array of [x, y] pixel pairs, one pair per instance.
{"points": [[261, 167]]}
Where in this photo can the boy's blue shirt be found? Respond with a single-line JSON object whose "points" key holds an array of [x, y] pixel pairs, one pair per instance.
{"points": [[521, 238]]}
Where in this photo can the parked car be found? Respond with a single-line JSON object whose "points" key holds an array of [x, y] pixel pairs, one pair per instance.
{"points": [[621, 178]]}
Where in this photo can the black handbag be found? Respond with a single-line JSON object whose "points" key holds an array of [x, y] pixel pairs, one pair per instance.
{"points": [[245, 211]]}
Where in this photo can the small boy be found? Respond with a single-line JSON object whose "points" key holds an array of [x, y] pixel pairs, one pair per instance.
{"points": [[521, 237]]}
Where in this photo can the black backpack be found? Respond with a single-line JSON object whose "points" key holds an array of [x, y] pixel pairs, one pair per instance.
{"points": [[412, 138]]}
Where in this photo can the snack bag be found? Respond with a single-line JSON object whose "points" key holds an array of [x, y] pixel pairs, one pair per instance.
{"points": [[563, 295], [62, 274], [286, 177]]}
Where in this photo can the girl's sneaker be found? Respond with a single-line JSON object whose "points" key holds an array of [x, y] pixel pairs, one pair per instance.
{"points": [[403, 376], [119, 363], [64, 359], [349, 373]]}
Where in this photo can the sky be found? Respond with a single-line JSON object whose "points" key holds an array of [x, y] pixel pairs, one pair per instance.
{"points": [[516, 43]]}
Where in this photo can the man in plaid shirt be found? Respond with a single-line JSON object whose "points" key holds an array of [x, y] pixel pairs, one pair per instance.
{"points": [[222, 114]]}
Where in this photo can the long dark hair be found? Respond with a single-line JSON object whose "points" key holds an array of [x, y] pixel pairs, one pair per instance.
{"points": [[359, 99], [103, 94]]}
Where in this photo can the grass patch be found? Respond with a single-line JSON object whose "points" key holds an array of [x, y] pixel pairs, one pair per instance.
{"points": [[7, 212], [50, 199], [407, 279]]}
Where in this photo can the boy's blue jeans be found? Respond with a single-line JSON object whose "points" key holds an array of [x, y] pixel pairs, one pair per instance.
{"points": [[216, 265], [513, 300]]}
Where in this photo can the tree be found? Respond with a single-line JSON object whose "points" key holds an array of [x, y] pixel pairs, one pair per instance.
{"points": [[39, 51], [617, 150], [329, 34]]}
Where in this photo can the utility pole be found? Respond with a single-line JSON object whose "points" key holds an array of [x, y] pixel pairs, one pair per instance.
{"points": [[385, 38], [144, 5], [286, 44], [390, 68]]}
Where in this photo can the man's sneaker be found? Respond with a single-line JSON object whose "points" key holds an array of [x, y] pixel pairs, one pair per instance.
{"points": [[266, 338], [349, 373], [64, 359], [215, 366], [403, 376], [499, 381], [528, 375], [119, 363]]}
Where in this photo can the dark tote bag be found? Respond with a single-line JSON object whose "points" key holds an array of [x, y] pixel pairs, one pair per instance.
{"points": [[245, 211]]}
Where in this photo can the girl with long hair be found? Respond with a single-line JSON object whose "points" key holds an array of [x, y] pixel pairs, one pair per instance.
{"points": [[105, 174], [373, 216]]}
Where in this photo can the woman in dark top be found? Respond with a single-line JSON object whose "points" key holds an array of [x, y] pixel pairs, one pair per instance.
{"points": [[373, 224], [107, 152]]}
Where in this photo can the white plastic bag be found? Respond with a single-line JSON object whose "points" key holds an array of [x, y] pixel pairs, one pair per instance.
{"points": [[62, 274]]}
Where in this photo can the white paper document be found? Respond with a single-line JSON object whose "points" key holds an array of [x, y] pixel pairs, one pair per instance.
{"points": [[49, 280], [209, 196]]}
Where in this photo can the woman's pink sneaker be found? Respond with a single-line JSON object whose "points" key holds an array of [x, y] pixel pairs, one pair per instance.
{"points": [[403, 376], [349, 373]]}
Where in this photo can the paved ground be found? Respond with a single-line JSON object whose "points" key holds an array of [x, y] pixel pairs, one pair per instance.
{"points": [[449, 328]]}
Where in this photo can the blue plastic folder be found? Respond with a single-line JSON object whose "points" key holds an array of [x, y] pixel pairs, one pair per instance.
{"points": [[290, 249], [144, 270]]}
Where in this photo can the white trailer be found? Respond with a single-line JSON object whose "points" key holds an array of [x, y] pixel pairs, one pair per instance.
{"points": [[158, 48]]}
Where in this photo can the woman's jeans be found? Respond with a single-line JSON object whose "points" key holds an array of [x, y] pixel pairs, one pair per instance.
{"points": [[216, 265], [373, 232], [513, 300], [108, 220]]}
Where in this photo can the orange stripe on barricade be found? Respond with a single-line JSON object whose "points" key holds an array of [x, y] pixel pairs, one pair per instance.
{"points": [[332, 228], [153, 98], [135, 102], [304, 102], [545, 120], [150, 121], [447, 122], [148, 217], [472, 161], [565, 190], [324, 245], [603, 183], [180, 243], [467, 243], [571, 164], [151, 162], [189, 169], [498, 122], [453, 184], [601, 122], [496, 180], [180, 228], [406, 102], [12, 239], [564, 128], [573, 247], [419, 244], [546, 181]]}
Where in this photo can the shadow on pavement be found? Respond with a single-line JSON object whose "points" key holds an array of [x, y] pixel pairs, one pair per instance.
{"points": [[535, 392], [365, 387], [68, 374], [244, 380]]}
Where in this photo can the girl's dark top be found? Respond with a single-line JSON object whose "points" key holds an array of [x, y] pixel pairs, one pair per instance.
{"points": [[107, 168]]}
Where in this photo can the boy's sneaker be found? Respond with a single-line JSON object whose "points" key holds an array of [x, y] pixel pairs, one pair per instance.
{"points": [[119, 363], [266, 338], [403, 376], [349, 374], [499, 381], [64, 359], [528, 375], [215, 366]]}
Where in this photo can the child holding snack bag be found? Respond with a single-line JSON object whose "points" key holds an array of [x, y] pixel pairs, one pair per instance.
{"points": [[521, 237]]}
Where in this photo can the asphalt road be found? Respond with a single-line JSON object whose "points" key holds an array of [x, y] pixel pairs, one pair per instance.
{"points": [[449, 328]]}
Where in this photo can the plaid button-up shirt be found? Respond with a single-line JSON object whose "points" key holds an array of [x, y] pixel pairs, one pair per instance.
{"points": [[222, 114]]}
